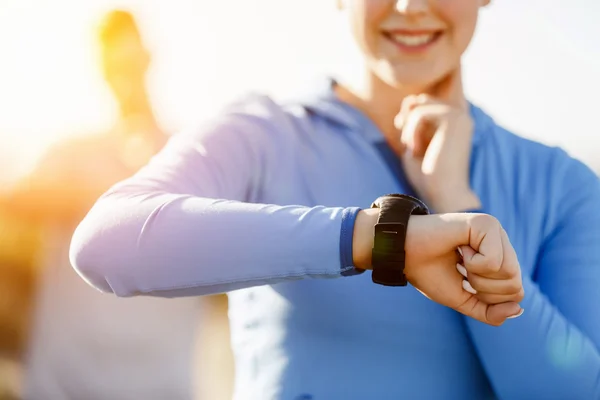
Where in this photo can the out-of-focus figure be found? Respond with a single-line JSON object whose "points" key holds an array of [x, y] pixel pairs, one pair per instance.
{"points": [[19, 244], [84, 344]]}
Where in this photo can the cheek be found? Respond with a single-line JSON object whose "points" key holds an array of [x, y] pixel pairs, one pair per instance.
{"points": [[366, 17], [376, 11], [461, 16]]}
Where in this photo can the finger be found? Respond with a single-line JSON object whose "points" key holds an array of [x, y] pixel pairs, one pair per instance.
{"points": [[460, 268], [485, 254], [420, 125], [467, 287], [422, 135], [408, 104], [501, 298], [428, 111], [494, 314], [510, 262], [509, 269], [451, 146], [495, 286], [445, 130], [400, 122], [498, 313], [450, 89]]}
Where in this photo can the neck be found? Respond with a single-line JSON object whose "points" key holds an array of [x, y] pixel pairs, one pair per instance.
{"points": [[136, 113], [135, 106], [377, 99]]}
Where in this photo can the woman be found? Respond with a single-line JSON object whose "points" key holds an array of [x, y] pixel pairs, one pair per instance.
{"points": [[405, 128]]}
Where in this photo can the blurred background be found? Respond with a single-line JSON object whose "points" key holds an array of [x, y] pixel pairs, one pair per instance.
{"points": [[64, 108], [537, 54]]}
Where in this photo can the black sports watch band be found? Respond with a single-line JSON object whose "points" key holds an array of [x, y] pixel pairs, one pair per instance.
{"points": [[390, 235]]}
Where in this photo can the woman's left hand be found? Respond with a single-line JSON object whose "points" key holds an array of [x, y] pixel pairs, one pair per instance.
{"points": [[436, 135]]}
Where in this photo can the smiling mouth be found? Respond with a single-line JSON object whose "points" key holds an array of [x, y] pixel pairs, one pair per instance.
{"points": [[413, 40]]}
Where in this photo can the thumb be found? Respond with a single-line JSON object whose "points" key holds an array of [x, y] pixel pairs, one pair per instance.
{"points": [[466, 253], [494, 314], [498, 313]]}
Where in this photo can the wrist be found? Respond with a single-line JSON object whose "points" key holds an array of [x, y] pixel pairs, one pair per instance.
{"points": [[362, 239], [432, 236], [455, 200]]}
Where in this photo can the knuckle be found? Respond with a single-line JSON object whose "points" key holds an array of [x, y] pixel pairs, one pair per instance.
{"points": [[493, 222], [485, 221], [493, 265], [510, 270], [475, 282], [514, 286], [493, 322]]}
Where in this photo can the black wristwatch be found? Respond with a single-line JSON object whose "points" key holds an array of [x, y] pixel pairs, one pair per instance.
{"points": [[390, 235]]}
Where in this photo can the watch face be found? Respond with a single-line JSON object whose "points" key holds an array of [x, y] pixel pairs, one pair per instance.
{"points": [[389, 236]]}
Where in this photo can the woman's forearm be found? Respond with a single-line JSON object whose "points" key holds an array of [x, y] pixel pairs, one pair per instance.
{"points": [[179, 245]]}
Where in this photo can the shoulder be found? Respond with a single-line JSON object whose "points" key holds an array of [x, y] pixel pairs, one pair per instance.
{"points": [[550, 178], [533, 156], [248, 114], [254, 122]]}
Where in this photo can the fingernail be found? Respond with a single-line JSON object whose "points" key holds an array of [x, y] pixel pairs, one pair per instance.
{"points": [[518, 314], [399, 122], [467, 286], [459, 251], [462, 270]]}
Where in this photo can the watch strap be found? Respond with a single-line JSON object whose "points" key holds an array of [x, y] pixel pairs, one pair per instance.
{"points": [[388, 255]]}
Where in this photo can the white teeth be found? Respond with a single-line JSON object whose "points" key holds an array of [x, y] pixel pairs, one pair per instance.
{"points": [[413, 40]]}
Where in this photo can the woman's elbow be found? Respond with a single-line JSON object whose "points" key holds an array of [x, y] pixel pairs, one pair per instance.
{"points": [[89, 272], [98, 260]]}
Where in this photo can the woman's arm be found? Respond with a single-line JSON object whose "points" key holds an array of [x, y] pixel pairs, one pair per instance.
{"points": [[168, 231], [552, 351]]}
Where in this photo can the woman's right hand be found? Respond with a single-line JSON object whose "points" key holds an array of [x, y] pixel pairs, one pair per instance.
{"points": [[431, 262]]}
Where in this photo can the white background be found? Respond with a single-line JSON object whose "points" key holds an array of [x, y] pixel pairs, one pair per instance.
{"points": [[533, 66]]}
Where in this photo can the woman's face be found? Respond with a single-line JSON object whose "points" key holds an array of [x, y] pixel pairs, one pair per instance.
{"points": [[412, 43]]}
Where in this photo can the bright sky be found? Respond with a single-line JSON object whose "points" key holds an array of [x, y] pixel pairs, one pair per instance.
{"points": [[534, 64]]}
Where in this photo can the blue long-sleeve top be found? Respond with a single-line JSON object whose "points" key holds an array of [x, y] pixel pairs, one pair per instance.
{"points": [[260, 203]]}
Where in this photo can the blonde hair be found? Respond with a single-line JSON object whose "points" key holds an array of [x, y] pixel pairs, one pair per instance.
{"points": [[116, 24]]}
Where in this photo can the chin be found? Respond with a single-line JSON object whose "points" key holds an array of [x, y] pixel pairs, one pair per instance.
{"points": [[414, 81], [411, 85]]}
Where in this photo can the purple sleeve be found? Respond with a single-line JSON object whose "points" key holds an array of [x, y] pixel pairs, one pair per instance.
{"points": [[183, 226]]}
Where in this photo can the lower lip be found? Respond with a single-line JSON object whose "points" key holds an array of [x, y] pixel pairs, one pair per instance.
{"points": [[415, 49]]}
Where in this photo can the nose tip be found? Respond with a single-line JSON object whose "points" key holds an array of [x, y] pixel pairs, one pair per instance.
{"points": [[412, 6]]}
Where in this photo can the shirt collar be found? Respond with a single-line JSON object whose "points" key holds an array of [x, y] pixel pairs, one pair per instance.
{"points": [[322, 101]]}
